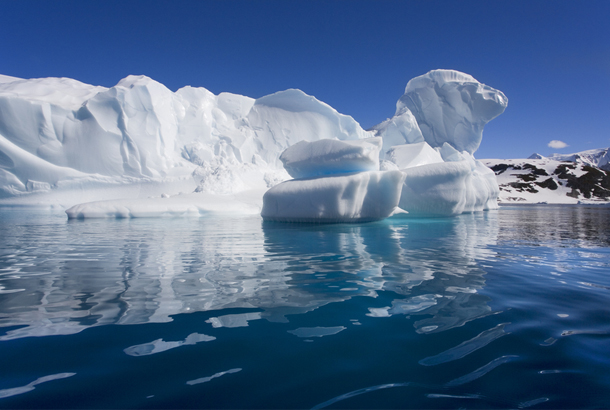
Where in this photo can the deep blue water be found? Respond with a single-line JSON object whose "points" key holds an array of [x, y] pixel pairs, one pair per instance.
{"points": [[501, 309]]}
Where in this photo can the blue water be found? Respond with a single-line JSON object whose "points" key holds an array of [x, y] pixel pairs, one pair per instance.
{"points": [[501, 309]]}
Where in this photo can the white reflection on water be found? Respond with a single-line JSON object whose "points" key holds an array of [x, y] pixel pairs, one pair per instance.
{"points": [[317, 331], [467, 347], [207, 379], [159, 345], [31, 386], [69, 276]]}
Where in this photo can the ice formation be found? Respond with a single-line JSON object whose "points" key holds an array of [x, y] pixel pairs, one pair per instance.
{"points": [[133, 148], [358, 197], [451, 107], [327, 157], [59, 136], [442, 111], [449, 188]]}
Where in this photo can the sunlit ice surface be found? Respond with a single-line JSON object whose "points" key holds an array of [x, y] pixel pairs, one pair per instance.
{"points": [[494, 309]]}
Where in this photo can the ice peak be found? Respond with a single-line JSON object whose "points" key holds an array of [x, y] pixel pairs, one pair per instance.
{"points": [[132, 81], [451, 107], [294, 100], [535, 155], [440, 77], [8, 79]]}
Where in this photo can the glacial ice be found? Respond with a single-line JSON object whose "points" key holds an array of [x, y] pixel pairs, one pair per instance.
{"points": [[327, 157], [139, 149], [449, 188], [359, 197], [452, 107], [413, 155]]}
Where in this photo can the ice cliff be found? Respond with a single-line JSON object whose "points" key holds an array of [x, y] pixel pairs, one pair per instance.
{"points": [[137, 146]]}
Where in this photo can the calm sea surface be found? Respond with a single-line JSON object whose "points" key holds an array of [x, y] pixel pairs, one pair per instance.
{"points": [[500, 309]]}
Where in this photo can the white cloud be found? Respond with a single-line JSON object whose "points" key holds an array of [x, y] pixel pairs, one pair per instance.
{"points": [[557, 144]]}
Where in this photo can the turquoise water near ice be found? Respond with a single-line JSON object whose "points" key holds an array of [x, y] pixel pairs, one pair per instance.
{"points": [[508, 308]]}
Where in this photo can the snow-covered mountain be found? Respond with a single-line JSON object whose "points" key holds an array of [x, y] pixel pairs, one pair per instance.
{"points": [[595, 157], [64, 142], [548, 180]]}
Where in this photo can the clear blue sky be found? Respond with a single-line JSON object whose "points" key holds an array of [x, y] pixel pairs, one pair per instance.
{"points": [[551, 58]]}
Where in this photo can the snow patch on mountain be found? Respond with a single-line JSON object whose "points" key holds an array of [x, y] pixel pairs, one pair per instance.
{"points": [[546, 180], [595, 157]]}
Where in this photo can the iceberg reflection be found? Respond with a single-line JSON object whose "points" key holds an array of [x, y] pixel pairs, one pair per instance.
{"points": [[79, 274]]}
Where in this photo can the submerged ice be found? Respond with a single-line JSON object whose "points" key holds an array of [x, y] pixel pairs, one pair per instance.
{"points": [[129, 146]]}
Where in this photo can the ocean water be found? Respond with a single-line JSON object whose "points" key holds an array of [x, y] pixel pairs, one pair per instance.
{"points": [[502, 309]]}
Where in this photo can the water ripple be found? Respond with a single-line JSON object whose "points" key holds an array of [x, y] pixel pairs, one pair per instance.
{"points": [[481, 371], [31, 386], [467, 347], [160, 345], [207, 379], [359, 392]]}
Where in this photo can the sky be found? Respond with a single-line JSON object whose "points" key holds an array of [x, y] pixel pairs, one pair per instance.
{"points": [[551, 58]]}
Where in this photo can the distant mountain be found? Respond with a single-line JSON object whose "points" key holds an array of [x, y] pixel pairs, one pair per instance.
{"points": [[550, 180], [595, 157]]}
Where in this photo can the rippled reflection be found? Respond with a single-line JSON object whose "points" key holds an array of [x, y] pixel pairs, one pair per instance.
{"points": [[59, 277], [556, 225]]}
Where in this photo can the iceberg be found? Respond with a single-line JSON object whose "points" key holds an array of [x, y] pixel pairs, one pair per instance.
{"points": [[360, 197], [139, 149], [413, 155], [449, 188], [327, 157], [450, 106], [61, 139], [449, 109]]}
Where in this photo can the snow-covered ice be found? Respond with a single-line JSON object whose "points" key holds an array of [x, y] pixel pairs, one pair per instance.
{"points": [[547, 180], [595, 157], [139, 149]]}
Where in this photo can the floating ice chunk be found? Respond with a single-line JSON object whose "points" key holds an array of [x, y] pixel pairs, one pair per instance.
{"points": [[449, 188], [413, 155], [365, 196], [327, 157], [452, 107]]}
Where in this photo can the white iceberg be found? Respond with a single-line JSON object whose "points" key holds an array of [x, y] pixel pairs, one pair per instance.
{"points": [[61, 139], [139, 149], [328, 157], [413, 155], [360, 197], [452, 107], [398, 130], [449, 188]]}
